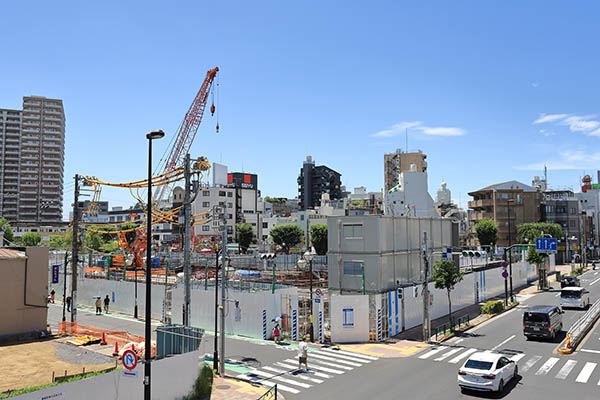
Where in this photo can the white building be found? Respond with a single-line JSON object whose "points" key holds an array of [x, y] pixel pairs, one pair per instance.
{"points": [[444, 195], [410, 197]]}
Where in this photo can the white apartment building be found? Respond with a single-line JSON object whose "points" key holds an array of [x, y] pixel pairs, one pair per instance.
{"points": [[32, 143], [410, 197]]}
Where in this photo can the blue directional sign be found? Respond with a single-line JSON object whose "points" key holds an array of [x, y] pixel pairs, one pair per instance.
{"points": [[546, 245], [55, 274]]}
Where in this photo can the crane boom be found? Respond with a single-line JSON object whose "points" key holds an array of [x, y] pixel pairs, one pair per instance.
{"points": [[189, 127]]}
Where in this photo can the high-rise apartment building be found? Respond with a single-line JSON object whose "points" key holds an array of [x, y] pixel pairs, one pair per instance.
{"points": [[32, 144], [313, 181], [394, 163]]}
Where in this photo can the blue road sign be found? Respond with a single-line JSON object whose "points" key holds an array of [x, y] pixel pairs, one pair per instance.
{"points": [[55, 274], [546, 245], [504, 274]]}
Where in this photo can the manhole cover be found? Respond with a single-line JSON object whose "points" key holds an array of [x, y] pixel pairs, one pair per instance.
{"points": [[223, 387]]}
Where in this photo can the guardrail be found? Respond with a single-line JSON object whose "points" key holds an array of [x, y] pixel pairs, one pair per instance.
{"points": [[580, 329], [270, 394], [441, 330]]}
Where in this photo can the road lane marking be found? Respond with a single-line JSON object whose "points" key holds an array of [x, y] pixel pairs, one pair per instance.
{"points": [[547, 366], [590, 351], [517, 357], [595, 281], [349, 353], [279, 378], [489, 321], [269, 384], [328, 358], [510, 338], [465, 354], [315, 373], [432, 352], [586, 372], [530, 363], [566, 369], [318, 367], [341, 356], [557, 294], [298, 375], [448, 354], [460, 340]]}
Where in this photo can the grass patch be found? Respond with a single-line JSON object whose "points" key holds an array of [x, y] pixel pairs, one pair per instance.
{"points": [[203, 384], [13, 393]]}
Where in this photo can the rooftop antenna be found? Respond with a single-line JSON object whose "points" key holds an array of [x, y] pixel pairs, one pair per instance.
{"points": [[546, 176], [406, 139]]}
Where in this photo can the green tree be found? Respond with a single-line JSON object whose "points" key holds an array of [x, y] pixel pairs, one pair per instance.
{"points": [[244, 236], [8, 233], [31, 239], [109, 247], [446, 275], [318, 236], [93, 240], [486, 231], [527, 233], [287, 236], [58, 242]]}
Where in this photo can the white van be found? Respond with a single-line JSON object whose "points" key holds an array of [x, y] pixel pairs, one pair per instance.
{"points": [[572, 296]]}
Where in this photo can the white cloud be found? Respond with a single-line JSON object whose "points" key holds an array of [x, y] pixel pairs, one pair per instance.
{"points": [[545, 118], [568, 160], [581, 123], [401, 127], [535, 84], [546, 133]]}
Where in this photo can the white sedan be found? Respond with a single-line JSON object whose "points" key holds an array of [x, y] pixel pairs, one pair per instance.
{"points": [[486, 371]]}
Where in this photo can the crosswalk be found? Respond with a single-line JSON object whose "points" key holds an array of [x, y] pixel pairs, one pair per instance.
{"points": [[324, 364], [558, 368]]}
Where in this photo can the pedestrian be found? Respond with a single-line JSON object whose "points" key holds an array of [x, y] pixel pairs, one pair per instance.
{"points": [[52, 294], [276, 333], [106, 303], [68, 303], [593, 265], [98, 306], [303, 354]]}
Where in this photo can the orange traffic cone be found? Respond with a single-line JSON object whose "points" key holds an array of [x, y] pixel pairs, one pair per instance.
{"points": [[116, 352], [103, 341]]}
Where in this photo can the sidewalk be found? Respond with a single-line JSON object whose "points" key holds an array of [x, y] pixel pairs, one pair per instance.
{"points": [[233, 389]]}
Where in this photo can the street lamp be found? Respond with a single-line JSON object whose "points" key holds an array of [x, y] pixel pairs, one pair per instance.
{"points": [[156, 134], [308, 255]]}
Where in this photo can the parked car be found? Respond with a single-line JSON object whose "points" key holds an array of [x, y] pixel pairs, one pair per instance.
{"points": [[486, 371], [569, 281], [542, 321], [574, 297]]}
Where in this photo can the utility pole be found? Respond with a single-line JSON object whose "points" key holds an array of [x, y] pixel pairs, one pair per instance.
{"points": [[223, 284], [186, 241], [425, 291], [65, 285], [75, 251], [216, 345]]}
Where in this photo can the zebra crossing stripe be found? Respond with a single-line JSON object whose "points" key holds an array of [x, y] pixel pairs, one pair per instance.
{"points": [[448, 354], [530, 363], [299, 375], [280, 378], [326, 357], [432, 352], [517, 357], [269, 384], [464, 354], [318, 367], [348, 353], [315, 373], [343, 357], [547, 366], [566, 369], [319, 360], [586, 372]]}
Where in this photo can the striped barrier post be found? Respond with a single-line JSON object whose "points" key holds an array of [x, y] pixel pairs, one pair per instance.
{"points": [[379, 324], [264, 321], [321, 326], [294, 324]]}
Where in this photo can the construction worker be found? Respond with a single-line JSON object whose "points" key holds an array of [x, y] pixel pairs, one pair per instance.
{"points": [[106, 303], [98, 306]]}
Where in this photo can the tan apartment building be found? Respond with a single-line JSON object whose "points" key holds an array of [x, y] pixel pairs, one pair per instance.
{"points": [[394, 163], [509, 204], [32, 143]]}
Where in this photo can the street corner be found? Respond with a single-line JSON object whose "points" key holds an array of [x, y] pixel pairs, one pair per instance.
{"points": [[234, 389], [401, 348]]}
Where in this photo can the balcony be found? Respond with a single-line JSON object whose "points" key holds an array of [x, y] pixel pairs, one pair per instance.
{"points": [[481, 203]]}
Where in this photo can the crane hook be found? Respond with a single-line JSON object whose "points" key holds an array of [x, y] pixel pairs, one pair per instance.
{"points": [[217, 127], [212, 110]]}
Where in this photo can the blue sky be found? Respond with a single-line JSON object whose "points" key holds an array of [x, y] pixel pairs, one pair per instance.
{"points": [[490, 91]]}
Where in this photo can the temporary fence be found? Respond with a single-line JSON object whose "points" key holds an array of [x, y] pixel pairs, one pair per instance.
{"points": [[111, 337], [177, 339]]}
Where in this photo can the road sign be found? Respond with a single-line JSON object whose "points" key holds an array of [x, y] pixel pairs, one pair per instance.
{"points": [[55, 274], [317, 300], [546, 245], [504, 274], [129, 359], [318, 292], [504, 264]]}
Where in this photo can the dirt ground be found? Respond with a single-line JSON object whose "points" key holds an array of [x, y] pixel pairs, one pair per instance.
{"points": [[32, 364]]}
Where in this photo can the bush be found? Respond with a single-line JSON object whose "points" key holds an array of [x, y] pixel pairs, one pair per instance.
{"points": [[578, 271], [203, 385], [493, 307]]}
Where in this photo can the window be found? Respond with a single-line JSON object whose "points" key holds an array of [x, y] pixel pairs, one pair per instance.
{"points": [[205, 193], [352, 231], [205, 228], [353, 268], [222, 193], [573, 210], [229, 216], [229, 229], [206, 204], [572, 224], [229, 194], [503, 196], [222, 203], [348, 317], [230, 205], [265, 225]]}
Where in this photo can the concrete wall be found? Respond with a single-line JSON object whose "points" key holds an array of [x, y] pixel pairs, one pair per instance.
{"points": [[23, 291], [121, 294], [359, 330], [171, 378], [255, 315]]}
